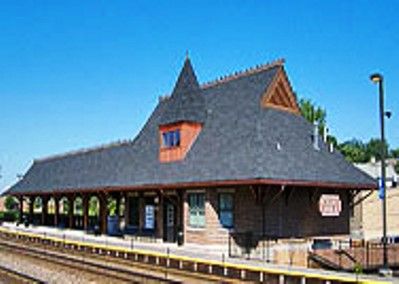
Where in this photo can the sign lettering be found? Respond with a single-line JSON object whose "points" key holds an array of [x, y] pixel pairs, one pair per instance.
{"points": [[330, 205]]}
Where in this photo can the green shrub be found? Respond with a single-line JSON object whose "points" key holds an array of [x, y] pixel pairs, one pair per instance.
{"points": [[9, 216], [358, 269], [11, 203]]}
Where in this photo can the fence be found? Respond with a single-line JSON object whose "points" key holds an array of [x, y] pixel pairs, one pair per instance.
{"points": [[250, 245], [346, 255], [63, 220]]}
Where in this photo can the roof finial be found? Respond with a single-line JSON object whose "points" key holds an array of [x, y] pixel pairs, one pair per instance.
{"points": [[187, 57]]}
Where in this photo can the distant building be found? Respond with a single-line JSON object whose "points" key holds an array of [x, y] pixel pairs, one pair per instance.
{"points": [[366, 220]]}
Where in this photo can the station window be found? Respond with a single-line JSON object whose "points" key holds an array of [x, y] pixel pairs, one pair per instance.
{"points": [[196, 203], [226, 208], [171, 138]]}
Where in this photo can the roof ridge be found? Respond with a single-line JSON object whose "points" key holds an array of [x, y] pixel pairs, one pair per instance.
{"points": [[84, 150], [238, 74]]}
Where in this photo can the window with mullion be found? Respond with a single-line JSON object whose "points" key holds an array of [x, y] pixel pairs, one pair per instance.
{"points": [[171, 138], [196, 202]]}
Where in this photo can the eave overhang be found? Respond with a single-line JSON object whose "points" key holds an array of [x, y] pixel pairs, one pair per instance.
{"points": [[208, 184]]}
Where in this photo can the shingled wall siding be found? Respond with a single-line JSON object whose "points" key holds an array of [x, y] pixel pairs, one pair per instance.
{"points": [[299, 216]]}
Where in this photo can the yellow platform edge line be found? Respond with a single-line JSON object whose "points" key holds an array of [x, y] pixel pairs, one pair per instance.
{"points": [[196, 260]]}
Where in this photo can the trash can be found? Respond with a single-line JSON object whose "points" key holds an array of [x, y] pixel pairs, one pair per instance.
{"points": [[113, 225]]}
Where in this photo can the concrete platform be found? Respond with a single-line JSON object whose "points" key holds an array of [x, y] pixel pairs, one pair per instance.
{"points": [[216, 253]]}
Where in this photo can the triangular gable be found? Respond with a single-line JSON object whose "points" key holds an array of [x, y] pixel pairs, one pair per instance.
{"points": [[279, 94]]}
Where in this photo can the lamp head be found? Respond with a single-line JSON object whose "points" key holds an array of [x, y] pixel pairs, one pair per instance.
{"points": [[376, 78]]}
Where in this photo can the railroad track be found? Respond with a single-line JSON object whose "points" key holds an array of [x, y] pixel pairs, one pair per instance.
{"points": [[8, 275], [107, 265], [83, 264]]}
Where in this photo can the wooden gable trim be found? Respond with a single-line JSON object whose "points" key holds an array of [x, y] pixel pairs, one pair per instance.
{"points": [[279, 95]]}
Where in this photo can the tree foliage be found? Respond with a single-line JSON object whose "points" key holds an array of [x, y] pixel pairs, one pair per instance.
{"points": [[358, 152], [313, 113], [10, 203], [111, 206], [354, 151], [94, 207], [37, 204], [65, 205], [374, 147], [395, 153], [78, 206]]}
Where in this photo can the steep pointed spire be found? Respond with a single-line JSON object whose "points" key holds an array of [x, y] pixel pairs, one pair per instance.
{"points": [[187, 81], [187, 102]]}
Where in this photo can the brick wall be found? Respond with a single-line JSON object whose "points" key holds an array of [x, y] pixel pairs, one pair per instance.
{"points": [[356, 218], [371, 214], [292, 214], [213, 233]]}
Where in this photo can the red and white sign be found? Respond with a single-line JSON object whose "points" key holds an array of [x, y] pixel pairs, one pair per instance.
{"points": [[330, 205]]}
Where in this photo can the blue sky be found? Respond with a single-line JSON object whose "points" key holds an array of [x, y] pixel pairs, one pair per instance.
{"points": [[76, 74]]}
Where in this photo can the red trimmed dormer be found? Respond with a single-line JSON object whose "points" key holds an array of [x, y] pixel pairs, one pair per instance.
{"points": [[176, 139], [183, 117]]}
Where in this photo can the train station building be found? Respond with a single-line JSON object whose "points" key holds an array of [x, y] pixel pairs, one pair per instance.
{"points": [[213, 161]]}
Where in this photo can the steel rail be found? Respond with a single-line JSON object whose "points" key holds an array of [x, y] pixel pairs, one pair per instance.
{"points": [[84, 264], [19, 276]]}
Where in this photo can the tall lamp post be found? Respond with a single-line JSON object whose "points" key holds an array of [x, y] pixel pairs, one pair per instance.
{"points": [[378, 79]]}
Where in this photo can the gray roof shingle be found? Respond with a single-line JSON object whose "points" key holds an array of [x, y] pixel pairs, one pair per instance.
{"points": [[238, 141], [186, 102]]}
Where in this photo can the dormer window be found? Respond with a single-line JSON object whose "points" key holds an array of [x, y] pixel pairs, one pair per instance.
{"points": [[171, 138], [176, 139]]}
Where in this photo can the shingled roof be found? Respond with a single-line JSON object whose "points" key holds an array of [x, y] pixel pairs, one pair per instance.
{"points": [[240, 142], [186, 102]]}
